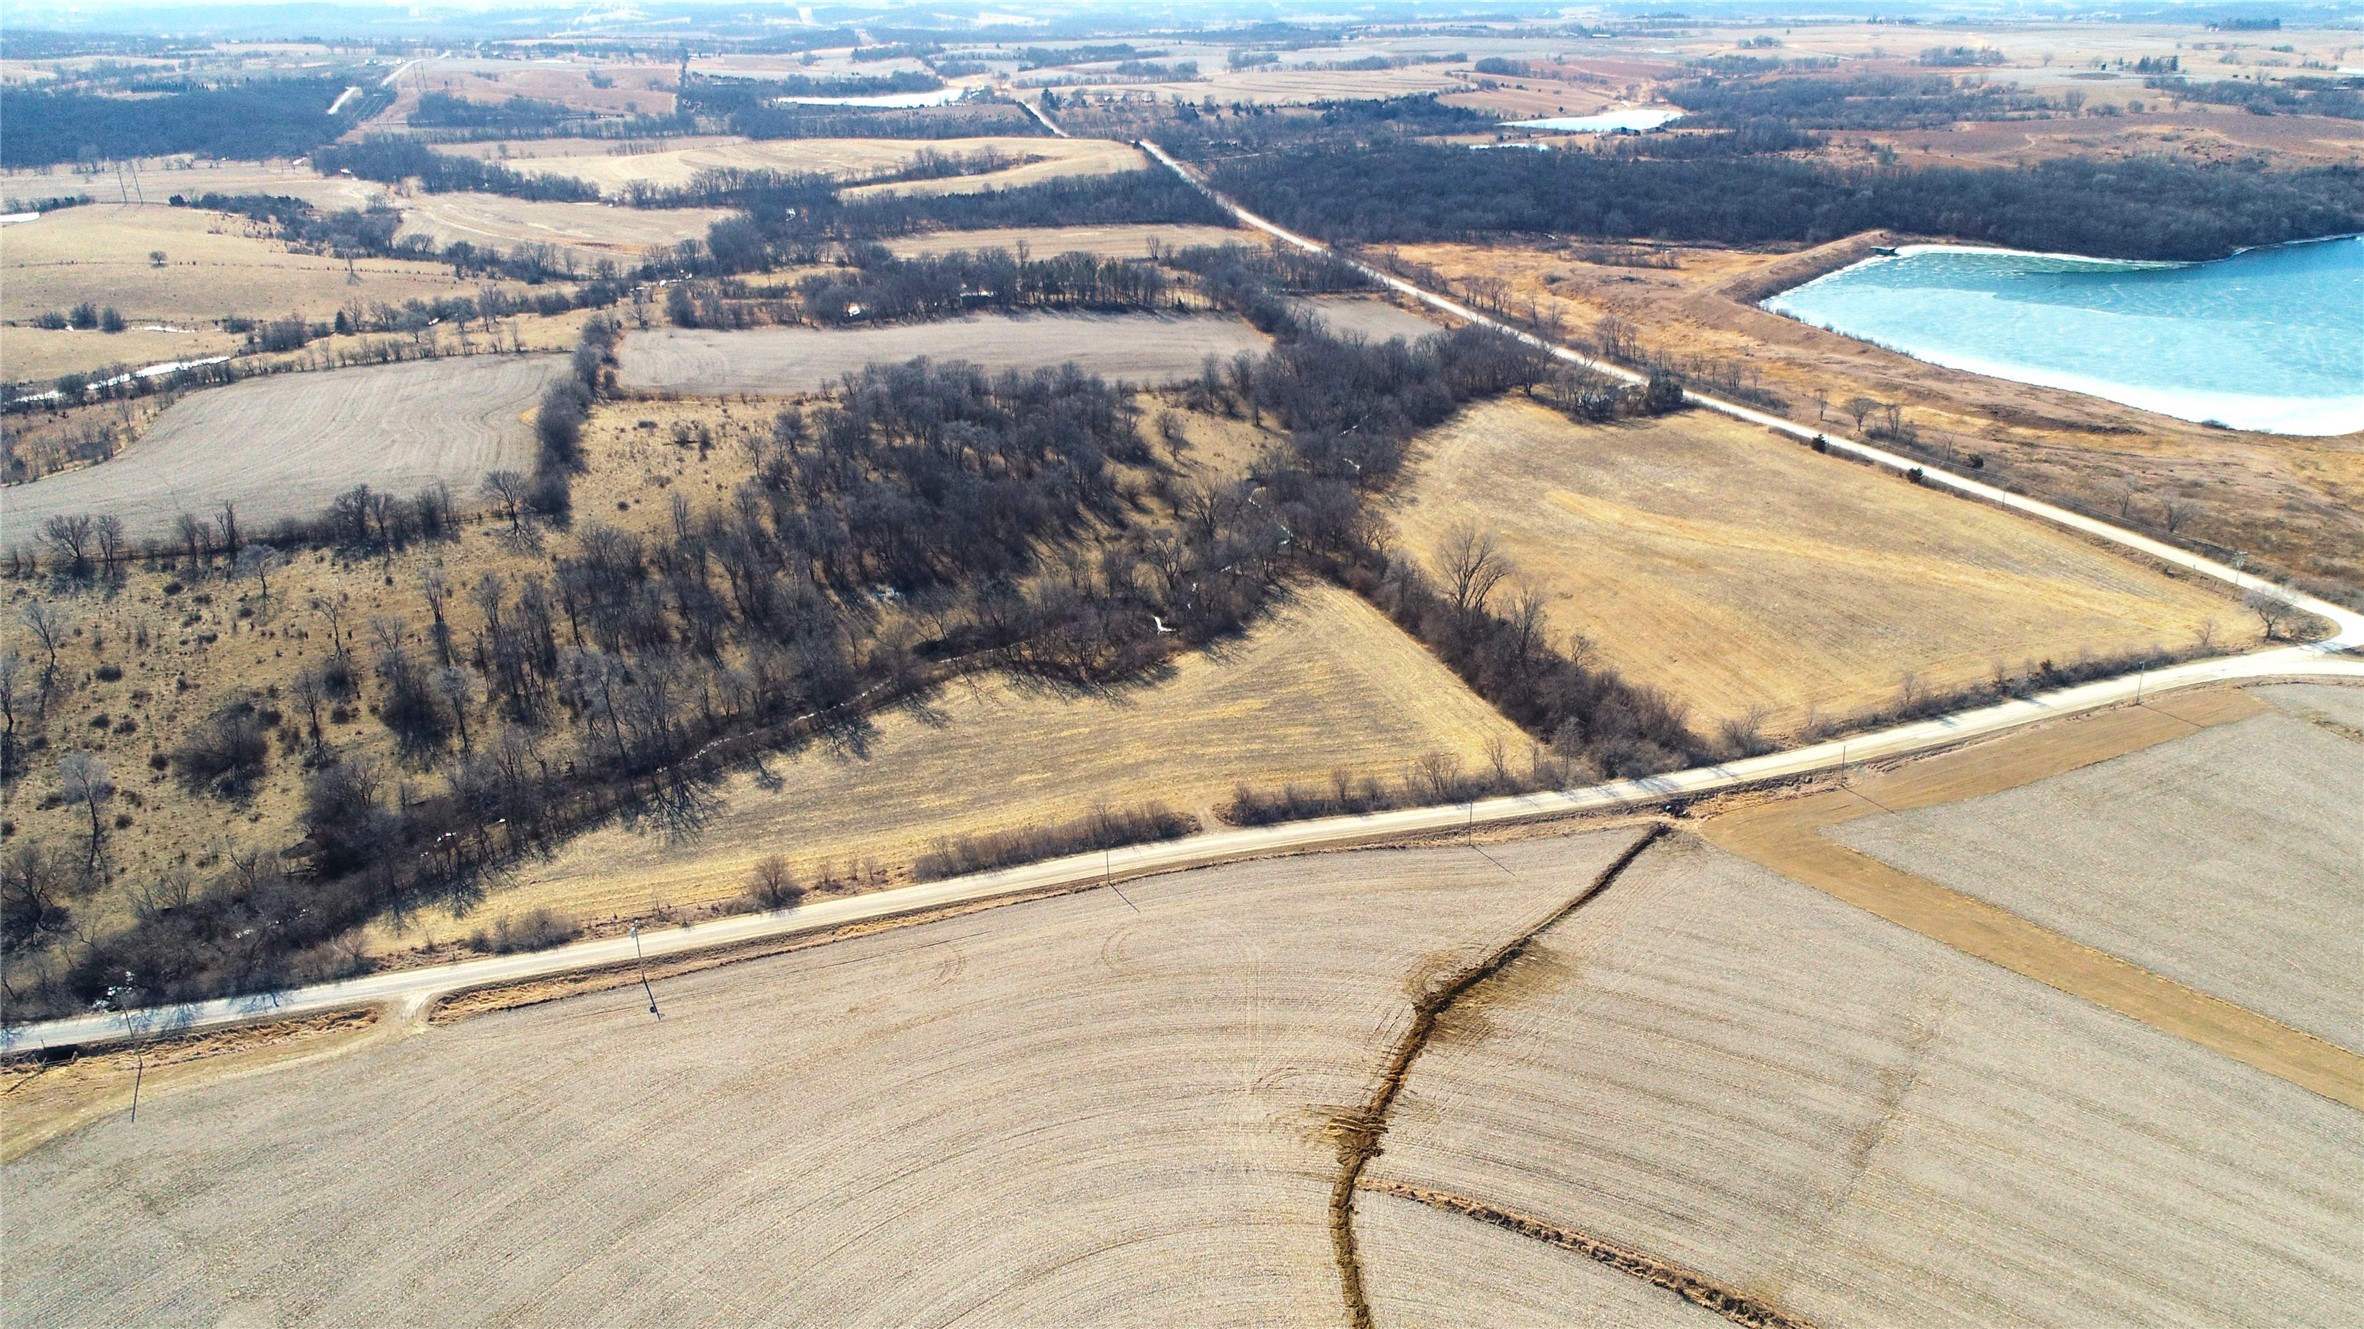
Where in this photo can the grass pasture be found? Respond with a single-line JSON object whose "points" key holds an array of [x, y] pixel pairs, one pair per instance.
{"points": [[1327, 685], [1057, 1112], [1859, 1126], [284, 445], [1737, 570], [213, 265], [1143, 348]]}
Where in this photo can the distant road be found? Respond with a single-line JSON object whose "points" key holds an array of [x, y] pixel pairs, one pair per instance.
{"points": [[2321, 660], [2333, 658]]}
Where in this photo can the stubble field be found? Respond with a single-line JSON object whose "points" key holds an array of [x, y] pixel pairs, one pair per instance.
{"points": [[1063, 1111], [588, 231], [1737, 570], [651, 162], [1326, 685], [1142, 348], [1830, 1115], [283, 446], [2154, 856]]}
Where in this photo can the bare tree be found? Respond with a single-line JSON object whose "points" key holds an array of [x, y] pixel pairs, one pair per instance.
{"points": [[13, 686], [226, 523], [257, 561], [333, 608], [1473, 565], [507, 490], [1859, 408], [48, 625], [2272, 606], [83, 780], [437, 591], [107, 533], [771, 885], [196, 537], [311, 693], [2174, 512], [71, 537]]}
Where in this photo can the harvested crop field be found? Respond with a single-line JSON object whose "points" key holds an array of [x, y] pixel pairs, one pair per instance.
{"points": [[38, 355], [214, 265], [2226, 860], [589, 231], [1439, 1270], [1066, 1111], [283, 446], [1369, 319], [1044, 241], [1327, 685], [1734, 569], [613, 166], [1857, 1126], [1139, 347]]}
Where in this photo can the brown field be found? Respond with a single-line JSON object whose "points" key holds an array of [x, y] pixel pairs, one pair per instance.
{"points": [[2294, 504], [1287, 87], [1327, 685], [643, 88], [1370, 319], [1828, 1114], [1423, 1266], [612, 166], [162, 177], [37, 355], [1140, 347], [214, 265], [587, 231], [1071, 157], [2225, 861], [1737, 570], [1105, 241], [284, 445], [1058, 1112]]}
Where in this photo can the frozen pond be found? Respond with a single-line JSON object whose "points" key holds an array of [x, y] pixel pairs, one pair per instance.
{"points": [[2270, 340], [1606, 122]]}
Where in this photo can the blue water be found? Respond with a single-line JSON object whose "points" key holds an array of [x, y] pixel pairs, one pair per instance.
{"points": [[2270, 340]]}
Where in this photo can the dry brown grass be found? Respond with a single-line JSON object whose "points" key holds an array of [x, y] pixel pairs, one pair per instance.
{"points": [[1057, 1112], [2294, 503], [1737, 570], [214, 265], [160, 178], [1852, 1124], [1328, 685], [37, 355], [642, 88]]}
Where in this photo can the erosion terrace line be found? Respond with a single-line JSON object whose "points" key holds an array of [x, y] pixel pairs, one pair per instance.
{"points": [[2333, 657], [1360, 1130]]}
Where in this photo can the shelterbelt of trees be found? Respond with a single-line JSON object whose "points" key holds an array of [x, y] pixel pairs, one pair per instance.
{"points": [[282, 117], [1409, 192]]}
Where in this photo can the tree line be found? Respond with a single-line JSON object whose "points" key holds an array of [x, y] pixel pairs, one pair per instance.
{"points": [[1413, 192], [277, 117]]}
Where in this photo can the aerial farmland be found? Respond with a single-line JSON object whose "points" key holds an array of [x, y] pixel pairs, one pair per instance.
{"points": [[878, 667]]}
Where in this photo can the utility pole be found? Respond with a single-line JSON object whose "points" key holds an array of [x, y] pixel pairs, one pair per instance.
{"points": [[642, 961]]}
